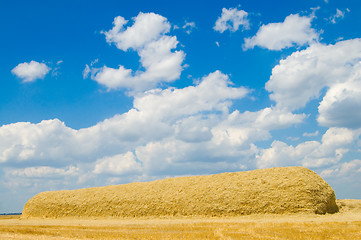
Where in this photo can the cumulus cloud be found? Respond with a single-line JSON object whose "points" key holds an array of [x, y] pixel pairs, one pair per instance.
{"points": [[269, 118], [231, 19], [302, 76], [155, 115], [148, 37], [343, 169], [193, 129], [44, 142], [224, 142], [335, 143], [340, 105], [296, 30], [147, 28], [113, 78], [119, 164], [211, 94], [29, 72], [176, 157], [167, 131]]}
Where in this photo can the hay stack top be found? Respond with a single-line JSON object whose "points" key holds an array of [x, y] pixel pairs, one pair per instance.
{"points": [[274, 190]]}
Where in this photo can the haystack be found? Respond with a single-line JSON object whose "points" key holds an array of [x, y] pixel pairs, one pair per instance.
{"points": [[275, 190]]}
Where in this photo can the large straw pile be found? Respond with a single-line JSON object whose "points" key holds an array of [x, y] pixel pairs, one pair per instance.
{"points": [[275, 190]]}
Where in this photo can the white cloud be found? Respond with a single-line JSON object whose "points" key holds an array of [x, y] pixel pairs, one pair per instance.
{"points": [[176, 157], [340, 106], [293, 138], [147, 27], [338, 15], [55, 71], [294, 31], [312, 134], [112, 78], [242, 130], [44, 142], [29, 72], [193, 129], [234, 138], [165, 130], [157, 114], [89, 69], [86, 71], [189, 26], [335, 143], [300, 77], [119, 164], [211, 94], [269, 118], [231, 19], [43, 172], [148, 37], [343, 169]]}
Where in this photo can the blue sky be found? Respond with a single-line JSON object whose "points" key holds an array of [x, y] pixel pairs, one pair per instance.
{"points": [[110, 92]]}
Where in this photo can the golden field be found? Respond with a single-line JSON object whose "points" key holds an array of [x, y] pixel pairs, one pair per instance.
{"points": [[276, 203], [343, 225]]}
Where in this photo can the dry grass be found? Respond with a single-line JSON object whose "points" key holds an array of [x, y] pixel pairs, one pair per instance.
{"points": [[349, 205], [275, 190], [203, 207], [3, 217], [343, 225]]}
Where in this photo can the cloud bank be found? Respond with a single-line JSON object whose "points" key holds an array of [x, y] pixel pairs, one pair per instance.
{"points": [[167, 130]]}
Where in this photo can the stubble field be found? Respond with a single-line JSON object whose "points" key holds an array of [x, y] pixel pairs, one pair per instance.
{"points": [[343, 225]]}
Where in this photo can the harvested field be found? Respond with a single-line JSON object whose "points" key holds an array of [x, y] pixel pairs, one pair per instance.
{"points": [[345, 224], [263, 191]]}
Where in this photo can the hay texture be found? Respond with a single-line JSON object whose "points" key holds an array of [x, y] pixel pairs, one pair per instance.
{"points": [[275, 190]]}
